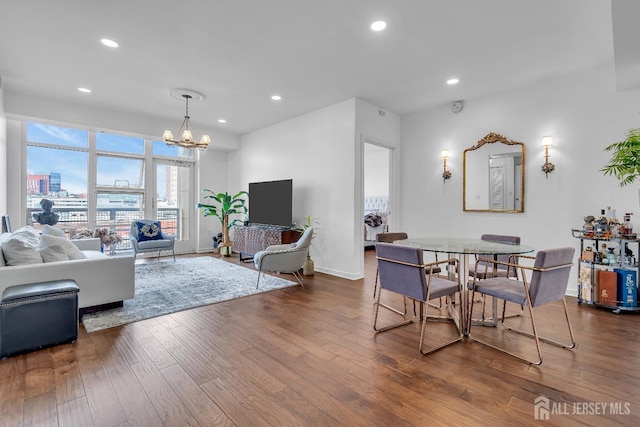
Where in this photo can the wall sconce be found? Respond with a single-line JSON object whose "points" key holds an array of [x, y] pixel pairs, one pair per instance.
{"points": [[444, 156], [547, 167]]}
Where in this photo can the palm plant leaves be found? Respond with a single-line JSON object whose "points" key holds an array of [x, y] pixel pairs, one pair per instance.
{"points": [[225, 205], [625, 161]]}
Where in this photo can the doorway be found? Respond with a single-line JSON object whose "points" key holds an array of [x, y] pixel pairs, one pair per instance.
{"points": [[377, 172]]}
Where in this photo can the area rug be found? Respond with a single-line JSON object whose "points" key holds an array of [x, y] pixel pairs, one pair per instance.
{"points": [[166, 287]]}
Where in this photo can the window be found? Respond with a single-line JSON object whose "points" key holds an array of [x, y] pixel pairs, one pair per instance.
{"points": [[97, 179], [119, 172], [162, 149], [57, 170], [119, 143], [56, 135]]}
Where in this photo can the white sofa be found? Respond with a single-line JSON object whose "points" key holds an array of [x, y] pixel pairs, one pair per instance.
{"points": [[102, 279]]}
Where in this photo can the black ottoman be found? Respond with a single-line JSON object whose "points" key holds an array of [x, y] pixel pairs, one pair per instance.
{"points": [[38, 315]]}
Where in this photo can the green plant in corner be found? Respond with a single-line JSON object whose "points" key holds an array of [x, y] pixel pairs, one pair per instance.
{"points": [[625, 161], [221, 206], [310, 221]]}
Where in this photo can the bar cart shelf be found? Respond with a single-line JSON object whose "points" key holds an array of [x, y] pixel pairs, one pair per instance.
{"points": [[621, 271]]}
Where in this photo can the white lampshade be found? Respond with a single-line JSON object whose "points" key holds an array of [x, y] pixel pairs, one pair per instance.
{"points": [[547, 141], [444, 154], [167, 135], [205, 140], [186, 135]]}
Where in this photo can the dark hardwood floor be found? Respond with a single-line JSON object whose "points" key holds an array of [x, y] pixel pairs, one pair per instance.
{"points": [[309, 356]]}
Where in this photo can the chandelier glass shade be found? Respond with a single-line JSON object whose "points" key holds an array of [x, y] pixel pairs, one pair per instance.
{"points": [[186, 136]]}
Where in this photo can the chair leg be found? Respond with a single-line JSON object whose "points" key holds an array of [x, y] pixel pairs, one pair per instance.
{"points": [[533, 335], [174, 254], [547, 340], [258, 282], [378, 304], [425, 318], [298, 277], [375, 285]]}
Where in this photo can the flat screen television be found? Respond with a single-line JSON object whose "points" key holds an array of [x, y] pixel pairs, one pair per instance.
{"points": [[271, 202]]}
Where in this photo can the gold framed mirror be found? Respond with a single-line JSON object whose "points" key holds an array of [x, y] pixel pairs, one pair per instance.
{"points": [[493, 175]]}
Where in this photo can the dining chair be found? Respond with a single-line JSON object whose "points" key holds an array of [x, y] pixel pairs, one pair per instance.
{"points": [[387, 238], [549, 280], [485, 267], [402, 271]]}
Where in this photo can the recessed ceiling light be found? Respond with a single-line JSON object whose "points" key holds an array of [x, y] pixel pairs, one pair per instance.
{"points": [[276, 97], [452, 81], [222, 121], [109, 42], [378, 26], [84, 90]]}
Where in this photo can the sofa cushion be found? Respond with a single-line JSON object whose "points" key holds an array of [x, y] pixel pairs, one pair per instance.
{"points": [[72, 250], [52, 231], [148, 231], [53, 253], [155, 244], [18, 250]]}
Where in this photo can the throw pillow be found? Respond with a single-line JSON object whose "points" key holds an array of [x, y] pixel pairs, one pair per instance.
{"points": [[52, 231], [53, 253], [71, 250], [28, 235], [18, 251], [148, 231]]}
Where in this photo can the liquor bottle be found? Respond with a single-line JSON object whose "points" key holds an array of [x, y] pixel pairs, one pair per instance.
{"points": [[627, 227], [602, 225]]}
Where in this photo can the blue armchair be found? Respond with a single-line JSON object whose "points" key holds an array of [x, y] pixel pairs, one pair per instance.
{"points": [[147, 236]]}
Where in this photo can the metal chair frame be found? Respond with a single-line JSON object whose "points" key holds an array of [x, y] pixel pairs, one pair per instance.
{"points": [[535, 334], [424, 306]]}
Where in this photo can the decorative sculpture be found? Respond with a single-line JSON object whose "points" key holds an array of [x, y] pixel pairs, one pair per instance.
{"points": [[47, 217]]}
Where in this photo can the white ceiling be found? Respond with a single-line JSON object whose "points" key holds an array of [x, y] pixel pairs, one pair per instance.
{"points": [[312, 52]]}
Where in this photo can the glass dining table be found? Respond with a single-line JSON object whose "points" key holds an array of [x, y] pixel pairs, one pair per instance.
{"points": [[463, 247]]}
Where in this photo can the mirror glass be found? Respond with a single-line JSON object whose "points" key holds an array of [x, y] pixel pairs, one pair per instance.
{"points": [[493, 175]]}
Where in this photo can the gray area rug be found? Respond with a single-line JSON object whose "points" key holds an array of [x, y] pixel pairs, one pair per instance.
{"points": [[166, 287]]}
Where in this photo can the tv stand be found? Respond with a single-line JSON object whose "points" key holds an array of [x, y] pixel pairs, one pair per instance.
{"points": [[251, 239]]}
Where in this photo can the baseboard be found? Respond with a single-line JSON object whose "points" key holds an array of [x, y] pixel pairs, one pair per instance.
{"points": [[344, 275]]}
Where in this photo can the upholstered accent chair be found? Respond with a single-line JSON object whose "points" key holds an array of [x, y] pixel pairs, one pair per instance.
{"points": [[284, 258], [403, 272], [147, 236], [549, 279]]}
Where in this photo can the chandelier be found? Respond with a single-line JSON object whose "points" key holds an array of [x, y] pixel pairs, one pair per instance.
{"points": [[186, 136]]}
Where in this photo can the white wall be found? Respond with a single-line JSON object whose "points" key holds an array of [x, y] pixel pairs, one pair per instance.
{"points": [[376, 170], [582, 112], [212, 175], [316, 151], [322, 152]]}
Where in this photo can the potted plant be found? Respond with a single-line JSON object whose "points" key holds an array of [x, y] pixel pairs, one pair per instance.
{"points": [[309, 221], [625, 161], [222, 205]]}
